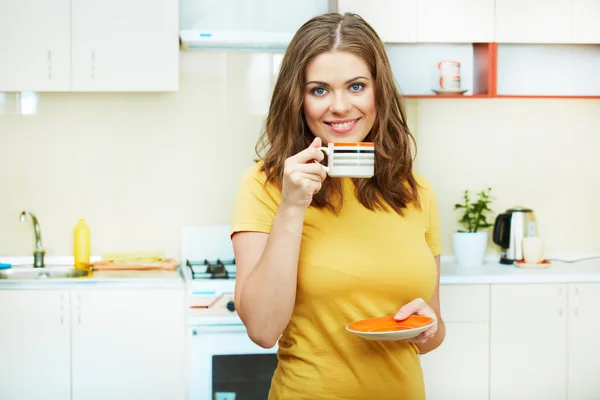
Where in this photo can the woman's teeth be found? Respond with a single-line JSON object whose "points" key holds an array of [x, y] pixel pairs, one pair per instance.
{"points": [[343, 125]]}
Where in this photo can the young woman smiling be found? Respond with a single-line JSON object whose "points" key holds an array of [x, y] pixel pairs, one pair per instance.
{"points": [[315, 253]]}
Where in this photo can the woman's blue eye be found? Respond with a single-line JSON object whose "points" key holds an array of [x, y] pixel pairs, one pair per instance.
{"points": [[356, 86], [319, 91]]}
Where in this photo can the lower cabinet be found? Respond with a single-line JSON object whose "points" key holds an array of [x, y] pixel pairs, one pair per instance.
{"points": [[35, 348], [528, 342], [517, 342], [92, 344], [459, 368], [545, 341]]}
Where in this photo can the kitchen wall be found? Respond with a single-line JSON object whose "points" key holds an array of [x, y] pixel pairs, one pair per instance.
{"points": [[139, 167]]}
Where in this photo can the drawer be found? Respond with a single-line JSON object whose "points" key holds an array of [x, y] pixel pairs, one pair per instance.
{"points": [[465, 303]]}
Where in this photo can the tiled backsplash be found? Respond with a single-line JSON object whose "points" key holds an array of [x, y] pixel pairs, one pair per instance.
{"points": [[139, 166]]}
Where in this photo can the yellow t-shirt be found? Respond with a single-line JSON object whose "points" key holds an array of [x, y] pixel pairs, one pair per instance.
{"points": [[360, 264]]}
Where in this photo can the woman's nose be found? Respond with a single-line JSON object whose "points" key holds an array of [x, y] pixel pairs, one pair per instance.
{"points": [[340, 104]]}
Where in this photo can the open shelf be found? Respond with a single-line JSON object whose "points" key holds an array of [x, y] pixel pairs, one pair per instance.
{"points": [[548, 70], [415, 67], [500, 70]]}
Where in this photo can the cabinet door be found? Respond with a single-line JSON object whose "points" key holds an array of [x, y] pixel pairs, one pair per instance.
{"points": [[35, 47], [528, 339], [585, 18], [125, 45], [584, 346], [459, 368], [395, 21], [128, 344], [532, 21], [35, 356], [459, 21]]}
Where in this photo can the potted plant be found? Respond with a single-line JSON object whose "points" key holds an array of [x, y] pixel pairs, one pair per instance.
{"points": [[470, 243]]}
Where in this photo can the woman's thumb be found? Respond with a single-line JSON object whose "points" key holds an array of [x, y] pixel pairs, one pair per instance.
{"points": [[316, 142]]}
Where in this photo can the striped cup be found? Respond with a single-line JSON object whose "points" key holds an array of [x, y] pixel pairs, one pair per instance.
{"points": [[354, 160]]}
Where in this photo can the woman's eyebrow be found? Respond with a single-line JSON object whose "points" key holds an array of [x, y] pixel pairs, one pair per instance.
{"points": [[348, 81]]}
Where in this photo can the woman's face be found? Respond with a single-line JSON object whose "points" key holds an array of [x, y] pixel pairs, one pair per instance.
{"points": [[339, 98]]}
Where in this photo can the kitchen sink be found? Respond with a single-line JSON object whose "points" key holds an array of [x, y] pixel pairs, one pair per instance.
{"points": [[55, 272]]}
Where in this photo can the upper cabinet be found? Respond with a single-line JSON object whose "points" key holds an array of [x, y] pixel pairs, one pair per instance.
{"points": [[532, 21], [35, 47], [86, 45], [394, 20], [585, 18], [437, 21], [125, 45], [556, 21], [459, 21]]}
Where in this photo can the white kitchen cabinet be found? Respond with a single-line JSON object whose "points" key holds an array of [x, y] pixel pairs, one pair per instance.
{"points": [[395, 21], [528, 336], [128, 344], [583, 346], [459, 21], [35, 45], [585, 21], [35, 355], [532, 21], [125, 45], [459, 368]]}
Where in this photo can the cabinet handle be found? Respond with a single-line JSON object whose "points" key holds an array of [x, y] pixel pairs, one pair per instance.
{"points": [[49, 64], [62, 307], [560, 302]]}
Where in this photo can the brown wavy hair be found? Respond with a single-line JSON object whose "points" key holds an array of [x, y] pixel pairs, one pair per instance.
{"points": [[286, 132]]}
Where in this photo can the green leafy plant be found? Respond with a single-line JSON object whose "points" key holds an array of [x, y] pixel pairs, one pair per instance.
{"points": [[473, 217]]}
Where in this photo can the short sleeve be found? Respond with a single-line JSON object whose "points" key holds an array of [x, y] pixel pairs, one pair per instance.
{"points": [[433, 235], [255, 204]]}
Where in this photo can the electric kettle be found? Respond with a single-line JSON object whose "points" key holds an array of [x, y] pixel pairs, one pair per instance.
{"points": [[510, 228]]}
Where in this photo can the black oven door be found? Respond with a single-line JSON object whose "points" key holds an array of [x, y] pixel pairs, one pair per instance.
{"points": [[242, 376]]}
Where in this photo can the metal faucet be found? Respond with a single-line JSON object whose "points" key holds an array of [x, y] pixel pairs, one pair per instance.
{"points": [[38, 253]]}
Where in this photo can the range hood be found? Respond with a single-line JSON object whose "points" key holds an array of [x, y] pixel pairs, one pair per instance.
{"points": [[193, 39]]}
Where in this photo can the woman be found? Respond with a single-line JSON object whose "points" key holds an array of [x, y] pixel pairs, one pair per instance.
{"points": [[315, 253]]}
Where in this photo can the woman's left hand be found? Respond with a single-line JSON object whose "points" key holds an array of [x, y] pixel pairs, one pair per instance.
{"points": [[419, 307]]}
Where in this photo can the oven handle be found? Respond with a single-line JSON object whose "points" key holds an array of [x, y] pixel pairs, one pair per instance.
{"points": [[218, 328]]}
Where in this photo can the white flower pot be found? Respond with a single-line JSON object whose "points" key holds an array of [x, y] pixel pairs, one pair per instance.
{"points": [[469, 247]]}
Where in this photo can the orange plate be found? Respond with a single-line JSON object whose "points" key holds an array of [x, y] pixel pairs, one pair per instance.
{"points": [[543, 262], [389, 324]]}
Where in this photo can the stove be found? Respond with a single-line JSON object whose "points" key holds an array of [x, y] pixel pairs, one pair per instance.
{"points": [[208, 266], [223, 362], [211, 269]]}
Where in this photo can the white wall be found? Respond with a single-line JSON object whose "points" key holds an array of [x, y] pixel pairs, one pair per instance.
{"points": [[538, 153], [138, 167]]}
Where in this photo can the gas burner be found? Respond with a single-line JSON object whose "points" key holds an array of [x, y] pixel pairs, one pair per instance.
{"points": [[215, 269]]}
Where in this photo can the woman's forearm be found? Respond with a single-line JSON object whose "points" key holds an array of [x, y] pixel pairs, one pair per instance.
{"points": [[269, 291]]}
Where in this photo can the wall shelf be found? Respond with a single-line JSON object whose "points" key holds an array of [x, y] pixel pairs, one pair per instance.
{"points": [[415, 67], [501, 70]]}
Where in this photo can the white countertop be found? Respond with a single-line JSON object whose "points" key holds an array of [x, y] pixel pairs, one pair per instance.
{"points": [[492, 272], [117, 279]]}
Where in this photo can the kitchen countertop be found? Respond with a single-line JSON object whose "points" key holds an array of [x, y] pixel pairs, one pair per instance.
{"points": [[117, 279], [492, 272]]}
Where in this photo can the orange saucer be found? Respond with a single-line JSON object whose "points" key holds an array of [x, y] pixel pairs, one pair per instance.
{"points": [[387, 328]]}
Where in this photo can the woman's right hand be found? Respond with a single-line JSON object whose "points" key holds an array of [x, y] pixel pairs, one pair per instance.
{"points": [[302, 177]]}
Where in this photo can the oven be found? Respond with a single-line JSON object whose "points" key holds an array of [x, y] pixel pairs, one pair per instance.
{"points": [[222, 362], [226, 365]]}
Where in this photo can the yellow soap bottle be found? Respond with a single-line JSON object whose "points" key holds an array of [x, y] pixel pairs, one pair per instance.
{"points": [[81, 245]]}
